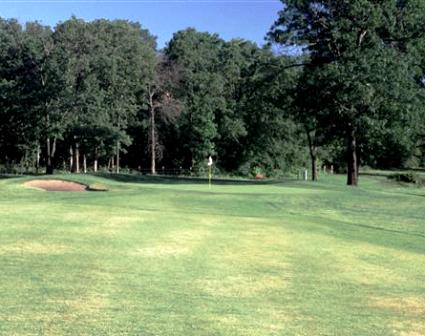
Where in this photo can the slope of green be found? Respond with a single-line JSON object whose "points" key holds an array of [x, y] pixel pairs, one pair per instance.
{"points": [[171, 257]]}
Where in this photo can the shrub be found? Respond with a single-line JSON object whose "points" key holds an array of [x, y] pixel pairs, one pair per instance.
{"points": [[408, 178]]}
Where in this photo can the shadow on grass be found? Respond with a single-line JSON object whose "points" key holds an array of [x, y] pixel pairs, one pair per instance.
{"points": [[417, 195], [161, 179], [375, 174], [388, 237], [2, 177]]}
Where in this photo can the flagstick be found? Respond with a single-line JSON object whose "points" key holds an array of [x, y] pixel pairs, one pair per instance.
{"points": [[210, 163], [209, 177]]}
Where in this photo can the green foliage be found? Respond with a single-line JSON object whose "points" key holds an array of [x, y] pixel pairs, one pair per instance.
{"points": [[107, 65], [101, 90], [361, 72], [408, 178], [236, 103], [201, 92]]}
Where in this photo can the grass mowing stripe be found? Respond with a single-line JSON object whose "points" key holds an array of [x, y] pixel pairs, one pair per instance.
{"points": [[162, 257]]}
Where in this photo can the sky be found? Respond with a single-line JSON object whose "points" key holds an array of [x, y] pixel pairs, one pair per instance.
{"points": [[247, 19]]}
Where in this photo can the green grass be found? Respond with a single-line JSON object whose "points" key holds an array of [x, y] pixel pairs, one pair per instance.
{"points": [[159, 256]]}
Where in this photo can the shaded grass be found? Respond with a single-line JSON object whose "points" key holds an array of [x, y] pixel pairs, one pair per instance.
{"points": [[150, 258]]}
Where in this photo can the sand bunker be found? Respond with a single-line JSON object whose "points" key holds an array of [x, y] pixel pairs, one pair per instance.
{"points": [[56, 185]]}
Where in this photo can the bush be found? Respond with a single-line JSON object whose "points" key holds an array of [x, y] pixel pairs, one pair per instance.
{"points": [[408, 178]]}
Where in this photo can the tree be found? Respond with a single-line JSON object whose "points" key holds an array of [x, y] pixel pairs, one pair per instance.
{"points": [[358, 50], [201, 92], [10, 66], [71, 57], [105, 65], [124, 65], [161, 102], [46, 81], [273, 142]]}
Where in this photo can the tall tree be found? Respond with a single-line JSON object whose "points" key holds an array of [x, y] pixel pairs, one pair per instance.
{"points": [[162, 104], [359, 48], [273, 142], [127, 62], [202, 92], [106, 65], [46, 79]]}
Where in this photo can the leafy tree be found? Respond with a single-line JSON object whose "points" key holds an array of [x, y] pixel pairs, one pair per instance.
{"points": [[359, 50], [201, 91], [42, 73], [105, 65], [273, 141], [162, 104], [127, 65]]}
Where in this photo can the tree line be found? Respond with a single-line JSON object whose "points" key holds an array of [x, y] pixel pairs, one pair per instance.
{"points": [[100, 95]]}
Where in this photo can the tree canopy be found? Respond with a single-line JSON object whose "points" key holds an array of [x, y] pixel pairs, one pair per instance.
{"points": [[100, 95], [360, 77]]}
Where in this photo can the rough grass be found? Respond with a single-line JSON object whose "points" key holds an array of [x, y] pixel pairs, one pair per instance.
{"points": [[171, 257]]}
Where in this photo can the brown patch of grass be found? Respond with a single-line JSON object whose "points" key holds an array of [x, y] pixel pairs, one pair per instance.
{"points": [[242, 286], [174, 244], [111, 226], [69, 310], [86, 305], [161, 251], [409, 313], [413, 306], [31, 247], [410, 327], [97, 187]]}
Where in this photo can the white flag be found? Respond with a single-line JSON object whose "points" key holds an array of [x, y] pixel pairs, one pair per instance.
{"points": [[210, 161]]}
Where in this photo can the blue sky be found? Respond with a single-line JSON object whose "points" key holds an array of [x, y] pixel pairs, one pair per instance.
{"points": [[248, 19]]}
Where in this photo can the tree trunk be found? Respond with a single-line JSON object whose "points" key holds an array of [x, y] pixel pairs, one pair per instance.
{"points": [[84, 164], [22, 163], [352, 167], [37, 159], [117, 170], [49, 168], [313, 155], [153, 142], [71, 159], [51, 149], [95, 163], [112, 160], [76, 168]]}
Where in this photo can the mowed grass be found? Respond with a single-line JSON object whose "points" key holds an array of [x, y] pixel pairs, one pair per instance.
{"points": [[171, 257]]}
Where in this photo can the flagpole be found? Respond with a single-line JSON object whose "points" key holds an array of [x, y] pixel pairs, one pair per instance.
{"points": [[210, 163], [209, 177]]}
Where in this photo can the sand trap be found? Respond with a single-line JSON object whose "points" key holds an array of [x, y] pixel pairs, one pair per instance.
{"points": [[56, 185]]}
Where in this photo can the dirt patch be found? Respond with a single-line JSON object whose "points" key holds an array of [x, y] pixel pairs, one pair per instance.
{"points": [[57, 185]]}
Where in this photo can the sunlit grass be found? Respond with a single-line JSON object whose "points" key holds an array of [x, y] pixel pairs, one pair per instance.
{"points": [[158, 256]]}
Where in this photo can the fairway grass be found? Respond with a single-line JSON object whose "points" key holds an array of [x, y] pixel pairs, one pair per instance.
{"points": [[156, 256]]}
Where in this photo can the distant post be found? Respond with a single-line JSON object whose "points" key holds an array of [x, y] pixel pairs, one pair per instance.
{"points": [[210, 163]]}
